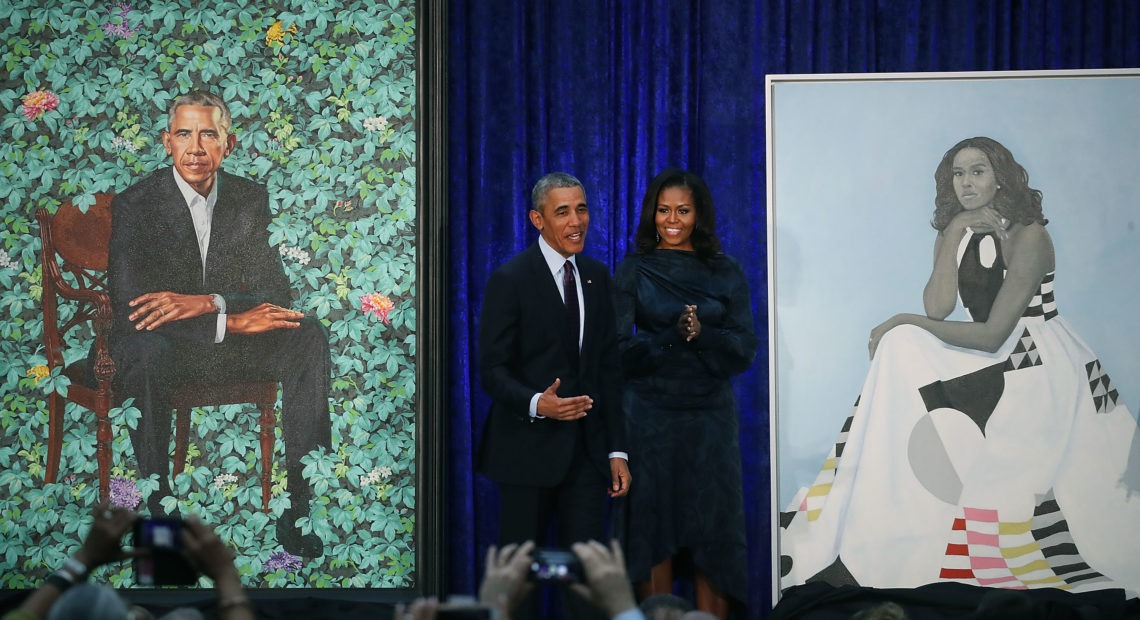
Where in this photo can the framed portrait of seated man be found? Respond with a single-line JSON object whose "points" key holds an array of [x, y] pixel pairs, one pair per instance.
{"points": [[219, 297]]}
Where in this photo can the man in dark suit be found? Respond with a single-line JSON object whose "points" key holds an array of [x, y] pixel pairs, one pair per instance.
{"points": [[198, 294], [555, 435]]}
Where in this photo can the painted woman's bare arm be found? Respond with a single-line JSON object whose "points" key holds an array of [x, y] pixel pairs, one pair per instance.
{"points": [[941, 292], [1029, 258]]}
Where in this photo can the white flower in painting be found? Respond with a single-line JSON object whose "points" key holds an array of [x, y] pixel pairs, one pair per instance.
{"points": [[6, 261], [221, 481], [121, 143], [376, 123], [295, 254], [375, 476]]}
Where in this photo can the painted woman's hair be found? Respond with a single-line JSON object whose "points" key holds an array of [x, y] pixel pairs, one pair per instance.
{"points": [[1014, 198]]}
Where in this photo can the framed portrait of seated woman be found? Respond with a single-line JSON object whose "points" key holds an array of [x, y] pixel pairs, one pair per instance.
{"points": [[952, 297]]}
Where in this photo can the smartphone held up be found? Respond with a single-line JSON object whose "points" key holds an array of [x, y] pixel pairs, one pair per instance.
{"points": [[555, 565], [163, 561]]}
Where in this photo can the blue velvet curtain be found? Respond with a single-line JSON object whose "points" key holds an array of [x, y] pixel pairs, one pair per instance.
{"points": [[614, 91]]}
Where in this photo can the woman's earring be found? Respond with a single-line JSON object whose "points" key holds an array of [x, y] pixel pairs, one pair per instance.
{"points": [[658, 237]]}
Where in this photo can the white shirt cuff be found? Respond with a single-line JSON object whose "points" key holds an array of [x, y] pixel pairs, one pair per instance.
{"points": [[534, 406], [619, 455], [220, 307]]}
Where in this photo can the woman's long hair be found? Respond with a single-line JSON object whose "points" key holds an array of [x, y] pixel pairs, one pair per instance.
{"points": [[1014, 199], [705, 243]]}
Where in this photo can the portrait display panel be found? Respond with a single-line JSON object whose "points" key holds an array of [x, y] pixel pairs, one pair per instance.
{"points": [[915, 445], [330, 116]]}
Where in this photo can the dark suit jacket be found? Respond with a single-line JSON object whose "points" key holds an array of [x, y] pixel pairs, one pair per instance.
{"points": [[154, 248], [524, 344]]}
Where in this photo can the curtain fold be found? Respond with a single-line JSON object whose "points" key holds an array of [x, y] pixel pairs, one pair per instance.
{"points": [[614, 91]]}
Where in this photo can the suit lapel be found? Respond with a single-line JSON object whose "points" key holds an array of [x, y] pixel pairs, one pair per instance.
{"points": [[175, 212], [590, 298], [174, 218], [225, 214]]}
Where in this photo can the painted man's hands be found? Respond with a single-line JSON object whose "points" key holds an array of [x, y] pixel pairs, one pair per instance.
{"points": [[153, 310], [263, 318]]}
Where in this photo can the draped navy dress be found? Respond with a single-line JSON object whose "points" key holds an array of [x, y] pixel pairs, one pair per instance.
{"points": [[681, 413]]}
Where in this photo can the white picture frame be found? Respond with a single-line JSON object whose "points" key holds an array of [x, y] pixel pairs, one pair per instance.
{"points": [[850, 180]]}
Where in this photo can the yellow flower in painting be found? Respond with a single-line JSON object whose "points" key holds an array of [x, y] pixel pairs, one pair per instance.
{"points": [[38, 372], [278, 32]]}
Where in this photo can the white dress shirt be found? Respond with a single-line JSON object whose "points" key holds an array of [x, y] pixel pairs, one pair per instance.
{"points": [[202, 213]]}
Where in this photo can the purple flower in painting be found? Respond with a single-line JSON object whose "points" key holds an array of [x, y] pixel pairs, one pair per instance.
{"points": [[282, 560], [124, 493], [119, 30]]}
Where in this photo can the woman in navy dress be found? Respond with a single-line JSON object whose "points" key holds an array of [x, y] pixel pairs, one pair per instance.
{"points": [[685, 329]]}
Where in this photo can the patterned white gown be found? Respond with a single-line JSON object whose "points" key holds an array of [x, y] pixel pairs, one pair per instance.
{"points": [[1016, 469]]}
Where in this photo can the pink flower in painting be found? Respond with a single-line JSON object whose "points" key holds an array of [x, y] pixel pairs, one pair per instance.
{"points": [[38, 102], [377, 304]]}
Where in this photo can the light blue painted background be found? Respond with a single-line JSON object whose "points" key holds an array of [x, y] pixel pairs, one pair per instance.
{"points": [[853, 194]]}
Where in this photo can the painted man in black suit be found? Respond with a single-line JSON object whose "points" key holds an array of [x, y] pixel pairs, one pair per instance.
{"points": [[198, 294], [555, 435]]}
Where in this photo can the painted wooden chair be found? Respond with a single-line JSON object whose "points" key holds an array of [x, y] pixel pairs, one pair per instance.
{"points": [[75, 247]]}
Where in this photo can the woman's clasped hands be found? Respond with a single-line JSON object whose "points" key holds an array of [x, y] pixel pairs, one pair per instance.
{"points": [[688, 324]]}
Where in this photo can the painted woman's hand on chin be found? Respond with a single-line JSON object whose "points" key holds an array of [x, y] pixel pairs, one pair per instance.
{"points": [[982, 220]]}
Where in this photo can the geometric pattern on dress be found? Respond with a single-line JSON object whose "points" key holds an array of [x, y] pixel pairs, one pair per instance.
{"points": [[1039, 553], [974, 394], [836, 575], [1043, 304], [1024, 354], [1104, 395], [1051, 532], [816, 497]]}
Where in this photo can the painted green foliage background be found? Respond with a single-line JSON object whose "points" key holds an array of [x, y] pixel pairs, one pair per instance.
{"points": [[323, 100]]}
